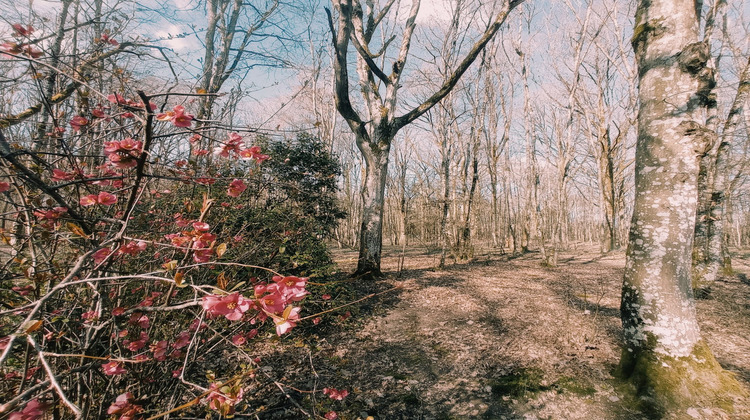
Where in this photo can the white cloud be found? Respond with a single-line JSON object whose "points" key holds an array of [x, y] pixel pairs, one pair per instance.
{"points": [[183, 4], [171, 39], [433, 11]]}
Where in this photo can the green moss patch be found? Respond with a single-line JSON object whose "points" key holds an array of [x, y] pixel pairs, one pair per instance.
{"points": [[520, 383], [574, 386], [668, 386], [530, 381]]}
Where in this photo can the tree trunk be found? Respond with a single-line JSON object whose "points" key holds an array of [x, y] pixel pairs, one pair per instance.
{"points": [[467, 251], [664, 355], [709, 256], [373, 200], [445, 168]]}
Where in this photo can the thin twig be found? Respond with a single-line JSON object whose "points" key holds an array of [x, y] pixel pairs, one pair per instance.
{"points": [[52, 380], [370, 296]]}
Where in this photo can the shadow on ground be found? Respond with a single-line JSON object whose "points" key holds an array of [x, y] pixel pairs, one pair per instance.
{"points": [[494, 339]]}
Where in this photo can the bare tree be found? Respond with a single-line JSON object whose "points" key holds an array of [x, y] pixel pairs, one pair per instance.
{"points": [[664, 354], [231, 25], [376, 129]]}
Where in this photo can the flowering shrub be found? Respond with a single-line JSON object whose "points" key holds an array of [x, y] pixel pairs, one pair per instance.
{"points": [[120, 287]]}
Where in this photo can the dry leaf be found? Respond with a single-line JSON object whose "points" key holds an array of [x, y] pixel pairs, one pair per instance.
{"points": [[178, 278], [221, 249], [221, 281], [77, 230], [34, 326], [169, 266]]}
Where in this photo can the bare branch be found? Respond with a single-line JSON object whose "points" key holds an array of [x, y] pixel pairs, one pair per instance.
{"points": [[341, 74], [460, 70]]}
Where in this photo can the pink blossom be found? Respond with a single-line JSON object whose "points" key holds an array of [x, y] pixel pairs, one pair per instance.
{"points": [[236, 187], [100, 255], [287, 321], [113, 368], [88, 200], [106, 199], [118, 311], [254, 153], [176, 373], [183, 339], [23, 291], [4, 186], [335, 394], [137, 344], [132, 248], [116, 99], [34, 410], [90, 316], [124, 153], [197, 324], [59, 175], [52, 215], [292, 288], [124, 407], [331, 415], [178, 117], [104, 38], [78, 122], [177, 239], [272, 303], [232, 306], [204, 240], [98, 113], [22, 31], [140, 319], [202, 255], [205, 181], [15, 48], [239, 339], [232, 146], [201, 226], [160, 350]]}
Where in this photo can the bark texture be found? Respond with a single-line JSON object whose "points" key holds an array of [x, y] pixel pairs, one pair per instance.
{"points": [[664, 354]]}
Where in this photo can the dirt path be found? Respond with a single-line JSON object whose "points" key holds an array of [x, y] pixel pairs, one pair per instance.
{"points": [[505, 340]]}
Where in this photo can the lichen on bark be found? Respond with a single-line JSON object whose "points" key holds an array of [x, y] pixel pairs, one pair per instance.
{"points": [[664, 355]]}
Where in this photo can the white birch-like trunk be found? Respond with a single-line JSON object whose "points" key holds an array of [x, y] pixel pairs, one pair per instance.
{"points": [[664, 354]]}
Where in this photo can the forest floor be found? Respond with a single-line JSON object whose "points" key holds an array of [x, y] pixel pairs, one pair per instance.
{"points": [[496, 338]]}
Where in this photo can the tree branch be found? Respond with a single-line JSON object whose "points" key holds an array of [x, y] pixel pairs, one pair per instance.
{"points": [[64, 94], [460, 70], [341, 74]]}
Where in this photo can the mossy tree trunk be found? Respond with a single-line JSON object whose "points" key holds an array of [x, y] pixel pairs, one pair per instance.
{"points": [[664, 355]]}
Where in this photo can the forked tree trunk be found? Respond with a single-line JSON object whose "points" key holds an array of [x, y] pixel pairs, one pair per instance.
{"points": [[664, 354], [376, 130]]}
